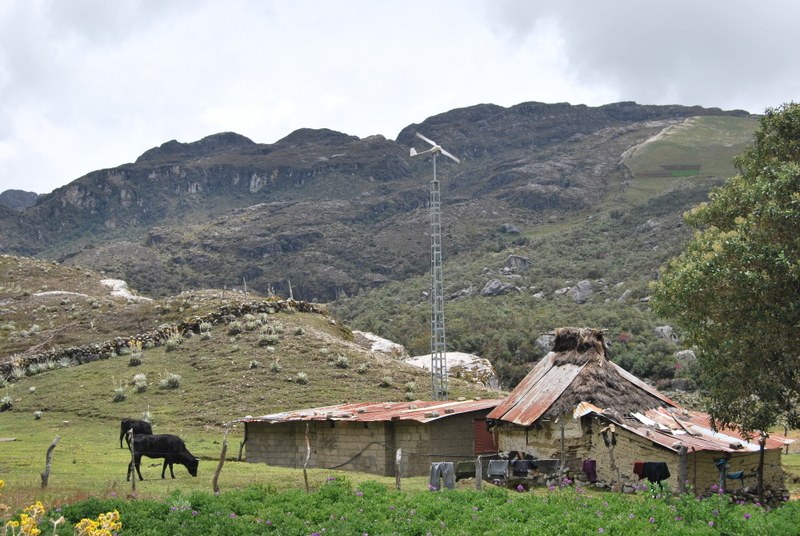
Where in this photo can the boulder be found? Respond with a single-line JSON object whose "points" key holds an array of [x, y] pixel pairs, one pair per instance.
{"points": [[545, 342], [517, 262], [582, 291], [666, 333], [508, 228], [495, 287], [469, 367]]}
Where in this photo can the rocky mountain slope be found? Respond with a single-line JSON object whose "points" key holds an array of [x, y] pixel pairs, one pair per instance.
{"points": [[583, 193]]}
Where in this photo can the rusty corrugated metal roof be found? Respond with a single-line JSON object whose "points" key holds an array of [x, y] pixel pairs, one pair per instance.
{"points": [[695, 426], [420, 411], [536, 392], [545, 383]]}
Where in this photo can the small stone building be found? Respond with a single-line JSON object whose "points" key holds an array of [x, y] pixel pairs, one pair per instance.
{"points": [[365, 436], [578, 407]]}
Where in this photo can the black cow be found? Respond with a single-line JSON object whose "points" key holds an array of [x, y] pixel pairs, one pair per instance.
{"points": [[139, 427], [167, 446]]}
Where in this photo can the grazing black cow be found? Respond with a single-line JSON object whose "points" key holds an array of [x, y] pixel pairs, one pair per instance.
{"points": [[139, 427], [167, 446]]}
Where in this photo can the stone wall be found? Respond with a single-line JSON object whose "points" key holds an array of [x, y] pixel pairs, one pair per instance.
{"points": [[582, 440], [157, 337]]}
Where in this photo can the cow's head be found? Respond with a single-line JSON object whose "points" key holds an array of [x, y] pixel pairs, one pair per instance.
{"points": [[191, 465]]}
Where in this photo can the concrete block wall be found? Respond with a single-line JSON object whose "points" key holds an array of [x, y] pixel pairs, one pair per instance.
{"points": [[368, 447]]}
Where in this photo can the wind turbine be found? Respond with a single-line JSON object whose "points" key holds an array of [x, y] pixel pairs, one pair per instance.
{"points": [[438, 343]]}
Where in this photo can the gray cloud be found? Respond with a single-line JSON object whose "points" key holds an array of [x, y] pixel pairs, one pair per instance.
{"points": [[88, 84]]}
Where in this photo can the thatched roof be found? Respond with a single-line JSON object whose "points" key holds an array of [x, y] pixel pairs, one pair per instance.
{"points": [[577, 370]]}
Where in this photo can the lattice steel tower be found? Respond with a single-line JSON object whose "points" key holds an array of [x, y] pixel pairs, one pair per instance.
{"points": [[438, 341]]}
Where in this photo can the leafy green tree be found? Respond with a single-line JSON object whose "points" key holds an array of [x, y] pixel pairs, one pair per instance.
{"points": [[735, 290]]}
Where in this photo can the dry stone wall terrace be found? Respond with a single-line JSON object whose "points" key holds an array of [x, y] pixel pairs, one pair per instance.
{"points": [[158, 337]]}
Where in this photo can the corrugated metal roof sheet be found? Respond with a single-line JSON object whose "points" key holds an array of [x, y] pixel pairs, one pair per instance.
{"points": [[545, 383], [671, 428], [531, 398], [420, 411]]}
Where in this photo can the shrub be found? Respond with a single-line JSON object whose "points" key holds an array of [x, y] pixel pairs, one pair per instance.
{"points": [[170, 381], [267, 340], [64, 362], [37, 415], [173, 343], [135, 360], [275, 366], [301, 378], [386, 381], [254, 364], [205, 327], [341, 362], [235, 348], [205, 335], [139, 382], [410, 386], [409, 396], [251, 325], [362, 368], [18, 373], [6, 403], [234, 328], [298, 331], [120, 394]]}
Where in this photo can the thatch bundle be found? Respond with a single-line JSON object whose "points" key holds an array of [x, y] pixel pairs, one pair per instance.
{"points": [[600, 382]]}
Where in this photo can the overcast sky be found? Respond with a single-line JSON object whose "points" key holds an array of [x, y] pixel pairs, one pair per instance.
{"points": [[92, 84]]}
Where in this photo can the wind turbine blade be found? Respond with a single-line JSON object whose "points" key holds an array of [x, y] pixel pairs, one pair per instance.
{"points": [[450, 156], [420, 136], [414, 152]]}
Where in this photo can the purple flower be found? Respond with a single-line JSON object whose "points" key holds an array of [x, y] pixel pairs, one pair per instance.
{"points": [[652, 520], [710, 523], [194, 512], [359, 493], [232, 516], [714, 487], [601, 530], [631, 515], [268, 522], [520, 487], [747, 516], [678, 518], [331, 478]]}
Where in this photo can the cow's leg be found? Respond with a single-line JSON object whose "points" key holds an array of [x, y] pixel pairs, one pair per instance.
{"points": [[130, 468], [164, 468], [138, 460], [172, 474]]}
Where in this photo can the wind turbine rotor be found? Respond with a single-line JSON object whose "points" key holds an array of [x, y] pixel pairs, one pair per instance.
{"points": [[436, 149]]}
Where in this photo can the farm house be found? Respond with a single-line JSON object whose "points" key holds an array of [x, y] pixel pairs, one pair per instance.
{"points": [[365, 436], [606, 425]]}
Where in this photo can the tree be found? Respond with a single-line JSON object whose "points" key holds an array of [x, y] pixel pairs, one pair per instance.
{"points": [[735, 290]]}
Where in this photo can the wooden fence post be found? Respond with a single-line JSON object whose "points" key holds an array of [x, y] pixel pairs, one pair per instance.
{"points": [[308, 455], [48, 460], [132, 468], [478, 473], [221, 460], [397, 457]]}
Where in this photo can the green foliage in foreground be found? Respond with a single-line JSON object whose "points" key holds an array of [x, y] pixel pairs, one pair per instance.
{"points": [[339, 508]]}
